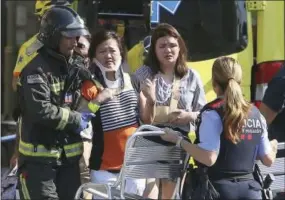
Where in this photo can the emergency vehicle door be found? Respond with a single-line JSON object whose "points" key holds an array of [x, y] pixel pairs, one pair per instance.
{"points": [[211, 28]]}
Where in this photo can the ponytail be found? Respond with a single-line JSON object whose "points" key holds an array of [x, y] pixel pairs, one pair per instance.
{"points": [[227, 74], [236, 110]]}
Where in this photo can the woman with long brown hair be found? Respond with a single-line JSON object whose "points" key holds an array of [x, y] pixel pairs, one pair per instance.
{"points": [[231, 134], [171, 93]]}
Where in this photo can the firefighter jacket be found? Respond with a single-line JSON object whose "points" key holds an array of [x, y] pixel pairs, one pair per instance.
{"points": [[48, 130], [27, 52]]}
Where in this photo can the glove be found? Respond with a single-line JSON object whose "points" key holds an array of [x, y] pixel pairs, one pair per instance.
{"points": [[88, 132], [85, 118]]}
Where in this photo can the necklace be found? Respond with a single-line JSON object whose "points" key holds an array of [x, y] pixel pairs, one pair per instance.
{"points": [[164, 90]]}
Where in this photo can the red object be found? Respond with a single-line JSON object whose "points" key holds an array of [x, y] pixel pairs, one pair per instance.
{"points": [[257, 103], [249, 136], [266, 71], [263, 75]]}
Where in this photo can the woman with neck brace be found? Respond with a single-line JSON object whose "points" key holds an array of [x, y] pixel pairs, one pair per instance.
{"points": [[117, 117]]}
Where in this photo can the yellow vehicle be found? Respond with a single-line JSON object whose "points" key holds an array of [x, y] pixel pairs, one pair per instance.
{"points": [[250, 31]]}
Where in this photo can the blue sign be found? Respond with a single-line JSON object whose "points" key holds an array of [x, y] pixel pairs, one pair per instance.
{"points": [[170, 6]]}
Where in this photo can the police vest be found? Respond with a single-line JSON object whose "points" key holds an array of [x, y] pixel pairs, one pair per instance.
{"points": [[235, 159], [42, 143]]}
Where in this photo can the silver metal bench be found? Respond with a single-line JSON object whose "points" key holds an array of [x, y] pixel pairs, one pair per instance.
{"points": [[144, 158]]}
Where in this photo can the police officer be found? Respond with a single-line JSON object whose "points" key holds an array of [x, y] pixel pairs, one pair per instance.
{"points": [[50, 145], [231, 134]]}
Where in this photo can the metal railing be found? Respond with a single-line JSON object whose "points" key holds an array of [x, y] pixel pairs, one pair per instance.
{"points": [[8, 136]]}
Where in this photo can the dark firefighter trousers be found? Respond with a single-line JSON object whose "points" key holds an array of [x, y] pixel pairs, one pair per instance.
{"points": [[45, 181]]}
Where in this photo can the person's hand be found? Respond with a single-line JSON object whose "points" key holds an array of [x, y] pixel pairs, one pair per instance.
{"points": [[274, 145], [105, 95], [148, 90], [170, 135], [14, 160], [85, 118], [181, 117]]}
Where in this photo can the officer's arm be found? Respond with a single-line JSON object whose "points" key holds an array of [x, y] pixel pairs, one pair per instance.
{"points": [[267, 150], [270, 107], [207, 151], [38, 106], [268, 113], [210, 130]]}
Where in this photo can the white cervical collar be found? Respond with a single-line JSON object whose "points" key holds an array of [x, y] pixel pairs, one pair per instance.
{"points": [[110, 84]]}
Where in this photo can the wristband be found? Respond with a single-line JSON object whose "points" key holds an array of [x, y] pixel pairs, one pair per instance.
{"points": [[93, 107]]}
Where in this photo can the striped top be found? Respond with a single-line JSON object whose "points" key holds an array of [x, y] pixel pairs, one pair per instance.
{"points": [[115, 121], [192, 95], [120, 111]]}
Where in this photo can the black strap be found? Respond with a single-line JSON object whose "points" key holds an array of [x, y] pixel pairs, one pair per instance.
{"points": [[232, 177], [160, 189]]}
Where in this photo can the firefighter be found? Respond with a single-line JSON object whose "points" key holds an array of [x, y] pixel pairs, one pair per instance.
{"points": [[28, 50], [50, 145], [231, 135], [27, 53]]}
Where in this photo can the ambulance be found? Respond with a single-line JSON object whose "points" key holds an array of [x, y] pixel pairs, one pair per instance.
{"points": [[250, 31]]}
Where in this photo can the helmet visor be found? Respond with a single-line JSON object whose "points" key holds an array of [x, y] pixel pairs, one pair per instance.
{"points": [[75, 32]]}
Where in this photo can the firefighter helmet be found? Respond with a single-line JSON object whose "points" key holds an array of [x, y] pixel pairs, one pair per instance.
{"points": [[60, 21], [42, 6]]}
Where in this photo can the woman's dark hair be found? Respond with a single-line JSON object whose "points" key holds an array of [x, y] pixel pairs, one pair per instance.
{"points": [[97, 39], [151, 60], [101, 36]]}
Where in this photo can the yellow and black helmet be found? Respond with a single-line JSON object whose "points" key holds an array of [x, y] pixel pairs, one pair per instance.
{"points": [[42, 6]]}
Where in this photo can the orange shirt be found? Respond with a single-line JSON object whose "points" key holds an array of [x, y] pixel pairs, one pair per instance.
{"points": [[89, 90]]}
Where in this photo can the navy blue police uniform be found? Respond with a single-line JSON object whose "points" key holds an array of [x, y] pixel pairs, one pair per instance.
{"points": [[232, 174]]}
